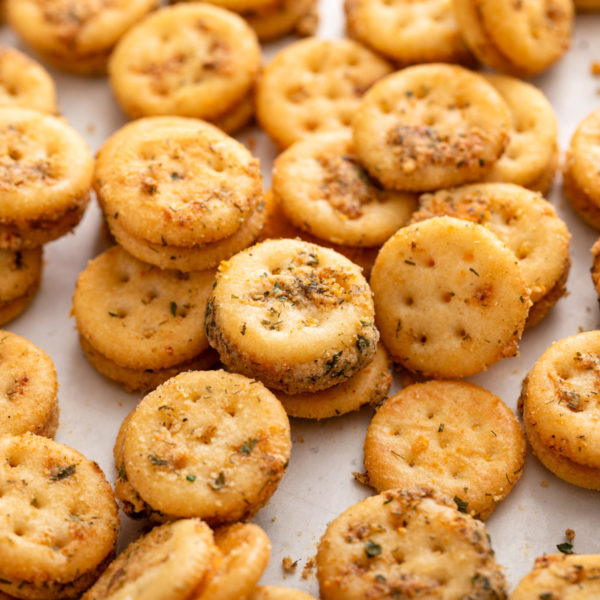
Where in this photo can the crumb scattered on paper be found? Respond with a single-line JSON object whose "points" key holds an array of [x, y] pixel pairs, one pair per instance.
{"points": [[569, 534], [361, 478], [289, 565], [309, 568], [544, 483], [595, 68]]}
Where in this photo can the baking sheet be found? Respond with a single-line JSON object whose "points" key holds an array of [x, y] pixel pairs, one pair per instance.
{"points": [[319, 484]]}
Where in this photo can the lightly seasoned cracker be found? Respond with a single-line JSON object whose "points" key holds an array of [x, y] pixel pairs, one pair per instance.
{"points": [[408, 32], [283, 17], [155, 315], [192, 60], [24, 82], [174, 187], [45, 178], [324, 190], [275, 592], [76, 36], [450, 299], [245, 550], [451, 434], [174, 561], [277, 226], [295, 315], [559, 398], [526, 223], [314, 85], [581, 170], [370, 385], [561, 576], [212, 445], [58, 519], [20, 278], [531, 156], [408, 543], [29, 386], [517, 38], [430, 126]]}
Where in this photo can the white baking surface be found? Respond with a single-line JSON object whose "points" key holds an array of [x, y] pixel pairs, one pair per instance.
{"points": [[319, 484]]}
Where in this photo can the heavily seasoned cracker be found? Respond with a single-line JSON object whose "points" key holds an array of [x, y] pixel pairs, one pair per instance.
{"points": [[274, 592], [282, 17], [324, 190], [430, 126], [59, 519], [558, 576], [525, 222], [277, 226], [29, 386], [451, 434], [531, 156], [212, 445], [559, 398], [76, 36], [246, 550], [297, 316], [20, 278], [581, 170], [518, 38], [450, 299], [23, 82], [314, 86], [171, 187], [407, 543], [408, 32], [174, 561], [193, 60], [139, 317], [45, 178], [370, 385]]}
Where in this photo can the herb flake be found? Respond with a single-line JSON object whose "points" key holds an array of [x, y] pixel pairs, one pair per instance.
{"points": [[372, 549], [64, 473], [461, 505]]}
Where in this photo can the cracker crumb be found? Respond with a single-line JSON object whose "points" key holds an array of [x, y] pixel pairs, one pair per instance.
{"points": [[595, 68], [289, 565], [90, 128], [544, 483], [309, 568], [569, 534], [300, 439], [251, 142], [361, 478]]}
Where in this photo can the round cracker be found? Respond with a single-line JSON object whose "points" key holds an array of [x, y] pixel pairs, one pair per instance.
{"points": [[28, 388], [46, 173], [76, 37], [314, 85], [408, 32], [212, 445], [559, 400], [58, 519], [451, 434], [581, 171], [192, 59], [530, 158], [138, 316], [246, 550], [430, 126], [297, 316], [517, 38], [526, 223], [24, 82], [20, 278], [171, 561], [369, 386], [172, 181], [572, 577], [411, 543], [324, 190], [450, 299]]}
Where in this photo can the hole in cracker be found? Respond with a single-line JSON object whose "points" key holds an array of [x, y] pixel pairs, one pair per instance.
{"points": [[119, 314], [230, 410], [148, 332], [447, 297], [13, 462], [423, 339], [20, 530], [150, 295], [207, 435], [311, 125], [15, 154], [522, 253], [456, 474], [430, 415], [385, 107], [123, 277], [461, 332], [469, 256], [352, 60], [409, 301], [398, 556], [346, 120], [430, 262], [437, 548]]}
